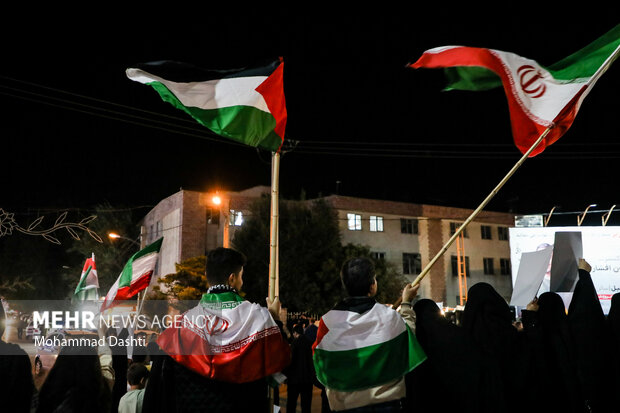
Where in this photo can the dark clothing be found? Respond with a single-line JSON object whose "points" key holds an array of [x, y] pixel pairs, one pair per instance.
{"points": [[613, 323], [395, 406], [175, 388], [311, 332], [16, 383], [300, 375], [552, 346], [505, 367], [588, 329], [447, 357]]}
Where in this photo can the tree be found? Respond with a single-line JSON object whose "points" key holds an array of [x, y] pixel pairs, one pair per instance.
{"points": [[110, 255], [309, 245], [187, 284]]}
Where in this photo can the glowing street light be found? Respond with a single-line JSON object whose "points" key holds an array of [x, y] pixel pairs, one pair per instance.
{"points": [[114, 235], [580, 220], [216, 200]]}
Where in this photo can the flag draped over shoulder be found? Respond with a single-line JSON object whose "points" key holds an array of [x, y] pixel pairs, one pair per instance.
{"points": [[538, 97], [136, 275], [228, 339], [246, 105], [364, 345], [88, 286]]}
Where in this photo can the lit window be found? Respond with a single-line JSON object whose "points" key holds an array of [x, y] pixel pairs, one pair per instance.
{"points": [[235, 218], [376, 224], [354, 222]]}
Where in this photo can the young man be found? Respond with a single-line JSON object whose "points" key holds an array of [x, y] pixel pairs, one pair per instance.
{"points": [[363, 348], [224, 351], [131, 402]]}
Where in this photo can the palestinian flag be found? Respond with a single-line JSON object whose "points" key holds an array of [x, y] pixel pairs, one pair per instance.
{"points": [[135, 277], [227, 338], [538, 97], [246, 105], [362, 344], [88, 286]]}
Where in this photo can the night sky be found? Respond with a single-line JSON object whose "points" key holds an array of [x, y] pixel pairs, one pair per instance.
{"points": [[77, 132]]}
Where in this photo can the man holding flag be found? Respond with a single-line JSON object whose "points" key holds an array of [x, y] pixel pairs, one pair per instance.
{"points": [[363, 348], [88, 286]]}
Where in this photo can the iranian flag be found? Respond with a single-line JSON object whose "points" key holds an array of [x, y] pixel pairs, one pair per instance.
{"points": [[135, 277], [539, 97], [228, 339], [246, 105], [88, 286], [362, 344]]}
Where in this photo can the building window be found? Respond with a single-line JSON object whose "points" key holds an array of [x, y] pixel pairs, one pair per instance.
{"points": [[354, 222], [488, 266], [159, 229], [504, 266], [455, 265], [408, 226], [378, 256], [485, 232], [454, 226], [376, 224], [502, 233], [235, 218], [412, 263]]}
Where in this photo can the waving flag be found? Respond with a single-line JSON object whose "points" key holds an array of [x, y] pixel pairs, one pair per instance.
{"points": [[245, 105], [88, 286], [136, 275], [228, 339], [364, 345], [538, 97]]}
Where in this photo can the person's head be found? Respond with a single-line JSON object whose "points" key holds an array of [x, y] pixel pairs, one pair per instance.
{"points": [[137, 374], [298, 330], [225, 266], [358, 277]]}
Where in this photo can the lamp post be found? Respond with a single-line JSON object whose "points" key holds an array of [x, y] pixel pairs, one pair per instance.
{"points": [[580, 220], [605, 216], [114, 235]]}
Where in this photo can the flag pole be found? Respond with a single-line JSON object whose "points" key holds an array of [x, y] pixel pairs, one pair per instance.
{"points": [[480, 207], [273, 239]]}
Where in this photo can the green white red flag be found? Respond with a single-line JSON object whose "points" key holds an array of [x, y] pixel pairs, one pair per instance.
{"points": [[246, 105], [88, 286], [227, 338], [538, 97], [135, 277], [362, 344]]}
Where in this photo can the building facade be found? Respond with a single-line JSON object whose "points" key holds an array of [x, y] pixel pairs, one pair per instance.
{"points": [[406, 235]]}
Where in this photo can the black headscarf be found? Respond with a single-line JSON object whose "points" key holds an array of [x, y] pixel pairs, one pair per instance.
{"points": [[552, 346], [447, 357], [589, 332], [613, 323], [505, 364]]}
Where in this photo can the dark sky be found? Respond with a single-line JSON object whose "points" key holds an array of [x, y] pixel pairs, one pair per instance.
{"points": [[76, 132]]}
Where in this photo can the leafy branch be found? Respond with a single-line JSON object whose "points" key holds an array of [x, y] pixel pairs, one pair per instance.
{"points": [[8, 225]]}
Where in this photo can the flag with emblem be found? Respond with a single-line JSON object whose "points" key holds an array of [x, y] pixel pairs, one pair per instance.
{"points": [[539, 97], [246, 105], [227, 338], [88, 286], [135, 276], [361, 344]]}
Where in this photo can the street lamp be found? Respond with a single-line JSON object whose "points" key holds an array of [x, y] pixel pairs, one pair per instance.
{"points": [[580, 220], [605, 216], [114, 235], [549, 216]]}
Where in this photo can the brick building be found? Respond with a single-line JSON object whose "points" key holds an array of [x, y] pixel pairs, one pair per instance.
{"points": [[405, 234]]}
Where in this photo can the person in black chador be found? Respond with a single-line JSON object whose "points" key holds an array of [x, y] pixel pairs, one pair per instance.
{"points": [[546, 326], [589, 332], [505, 365]]}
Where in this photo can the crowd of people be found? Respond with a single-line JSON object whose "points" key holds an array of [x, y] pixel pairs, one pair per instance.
{"points": [[364, 356]]}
